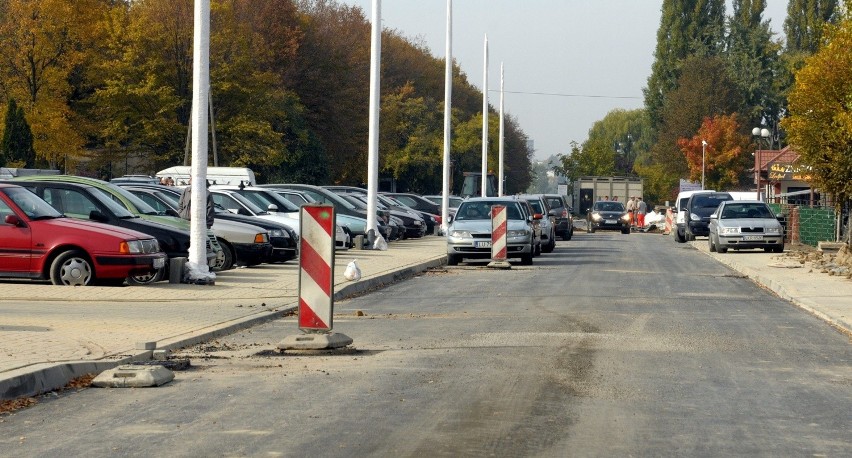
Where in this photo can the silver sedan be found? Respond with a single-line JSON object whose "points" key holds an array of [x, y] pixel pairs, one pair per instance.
{"points": [[741, 224]]}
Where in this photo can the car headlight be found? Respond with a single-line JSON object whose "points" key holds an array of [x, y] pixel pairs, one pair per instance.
{"points": [[131, 247], [694, 217], [523, 233], [596, 216], [729, 230], [625, 217], [277, 233], [460, 234], [772, 230]]}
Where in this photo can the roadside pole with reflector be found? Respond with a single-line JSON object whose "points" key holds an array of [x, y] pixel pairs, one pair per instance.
{"points": [[316, 282], [498, 238]]}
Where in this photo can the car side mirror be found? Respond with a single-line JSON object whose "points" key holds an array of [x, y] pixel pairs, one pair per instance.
{"points": [[551, 213], [96, 215], [13, 220], [714, 216], [273, 208], [450, 218], [172, 212], [538, 216]]}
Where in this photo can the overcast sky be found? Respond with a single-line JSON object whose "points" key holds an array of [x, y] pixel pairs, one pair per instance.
{"points": [[596, 54]]}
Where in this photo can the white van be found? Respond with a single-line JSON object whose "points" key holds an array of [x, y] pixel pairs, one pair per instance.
{"points": [[679, 231], [216, 175]]}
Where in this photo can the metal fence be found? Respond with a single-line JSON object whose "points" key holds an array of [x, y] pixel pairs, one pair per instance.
{"points": [[808, 224]]}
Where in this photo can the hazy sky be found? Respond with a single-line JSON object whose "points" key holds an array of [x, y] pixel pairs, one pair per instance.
{"points": [[596, 53]]}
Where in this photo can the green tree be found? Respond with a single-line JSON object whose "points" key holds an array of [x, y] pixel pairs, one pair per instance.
{"points": [[16, 148], [753, 59], [411, 140], [819, 125], [805, 22], [704, 90], [687, 27]]}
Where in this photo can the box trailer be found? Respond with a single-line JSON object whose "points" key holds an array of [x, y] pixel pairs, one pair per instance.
{"points": [[588, 190]]}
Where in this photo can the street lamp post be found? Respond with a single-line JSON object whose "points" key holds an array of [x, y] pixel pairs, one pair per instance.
{"points": [[703, 148], [759, 133]]}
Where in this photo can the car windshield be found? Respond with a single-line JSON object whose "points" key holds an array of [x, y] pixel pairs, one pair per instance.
{"points": [[482, 210], [709, 201], [609, 206], [110, 202], [746, 210], [31, 204]]}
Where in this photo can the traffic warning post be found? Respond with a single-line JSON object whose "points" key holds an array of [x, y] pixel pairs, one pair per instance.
{"points": [[316, 281], [498, 237], [669, 222]]}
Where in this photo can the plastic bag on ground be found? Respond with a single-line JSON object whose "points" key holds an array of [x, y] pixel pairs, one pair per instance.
{"points": [[352, 272], [380, 244]]}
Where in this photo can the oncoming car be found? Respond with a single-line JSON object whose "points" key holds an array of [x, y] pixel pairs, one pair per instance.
{"points": [[608, 215], [469, 234], [738, 224]]}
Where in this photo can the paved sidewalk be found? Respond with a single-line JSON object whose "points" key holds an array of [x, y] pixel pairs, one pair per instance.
{"points": [[827, 297], [52, 334]]}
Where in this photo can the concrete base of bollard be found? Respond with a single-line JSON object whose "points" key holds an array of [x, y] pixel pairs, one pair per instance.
{"points": [[324, 341], [359, 242], [499, 265], [129, 376], [176, 269]]}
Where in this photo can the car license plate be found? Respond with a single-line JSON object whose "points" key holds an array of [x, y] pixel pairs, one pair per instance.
{"points": [[483, 244], [752, 237], [159, 263], [610, 221]]}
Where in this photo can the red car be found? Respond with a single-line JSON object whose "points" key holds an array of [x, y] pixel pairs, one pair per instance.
{"points": [[37, 242]]}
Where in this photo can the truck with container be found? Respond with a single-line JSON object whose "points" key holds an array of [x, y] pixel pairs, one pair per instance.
{"points": [[590, 189]]}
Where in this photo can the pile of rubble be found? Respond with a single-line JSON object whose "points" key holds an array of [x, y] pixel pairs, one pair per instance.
{"points": [[830, 262]]}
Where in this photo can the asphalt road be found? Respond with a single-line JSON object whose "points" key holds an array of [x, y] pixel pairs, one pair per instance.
{"points": [[613, 345]]}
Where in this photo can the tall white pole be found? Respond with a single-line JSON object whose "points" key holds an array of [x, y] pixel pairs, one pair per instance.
{"points": [[485, 121], [373, 142], [448, 116], [703, 147], [200, 95], [500, 182]]}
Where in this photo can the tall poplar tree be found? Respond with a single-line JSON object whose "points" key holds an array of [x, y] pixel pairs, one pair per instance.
{"points": [[805, 22], [753, 59], [687, 27]]}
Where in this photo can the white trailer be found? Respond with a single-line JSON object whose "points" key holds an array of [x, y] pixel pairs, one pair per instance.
{"points": [[215, 175], [588, 190]]}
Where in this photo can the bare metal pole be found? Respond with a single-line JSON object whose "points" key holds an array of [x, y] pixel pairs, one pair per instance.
{"points": [[201, 80], [213, 129], [448, 115], [373, 139], [500, 182], [485, 122]]}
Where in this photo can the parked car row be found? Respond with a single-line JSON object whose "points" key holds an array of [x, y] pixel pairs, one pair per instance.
{"points": [[252, 224], [533, 223]]}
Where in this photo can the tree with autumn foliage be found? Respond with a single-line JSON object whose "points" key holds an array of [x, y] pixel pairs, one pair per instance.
{"points": [[724, 159], [820, 122]]}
